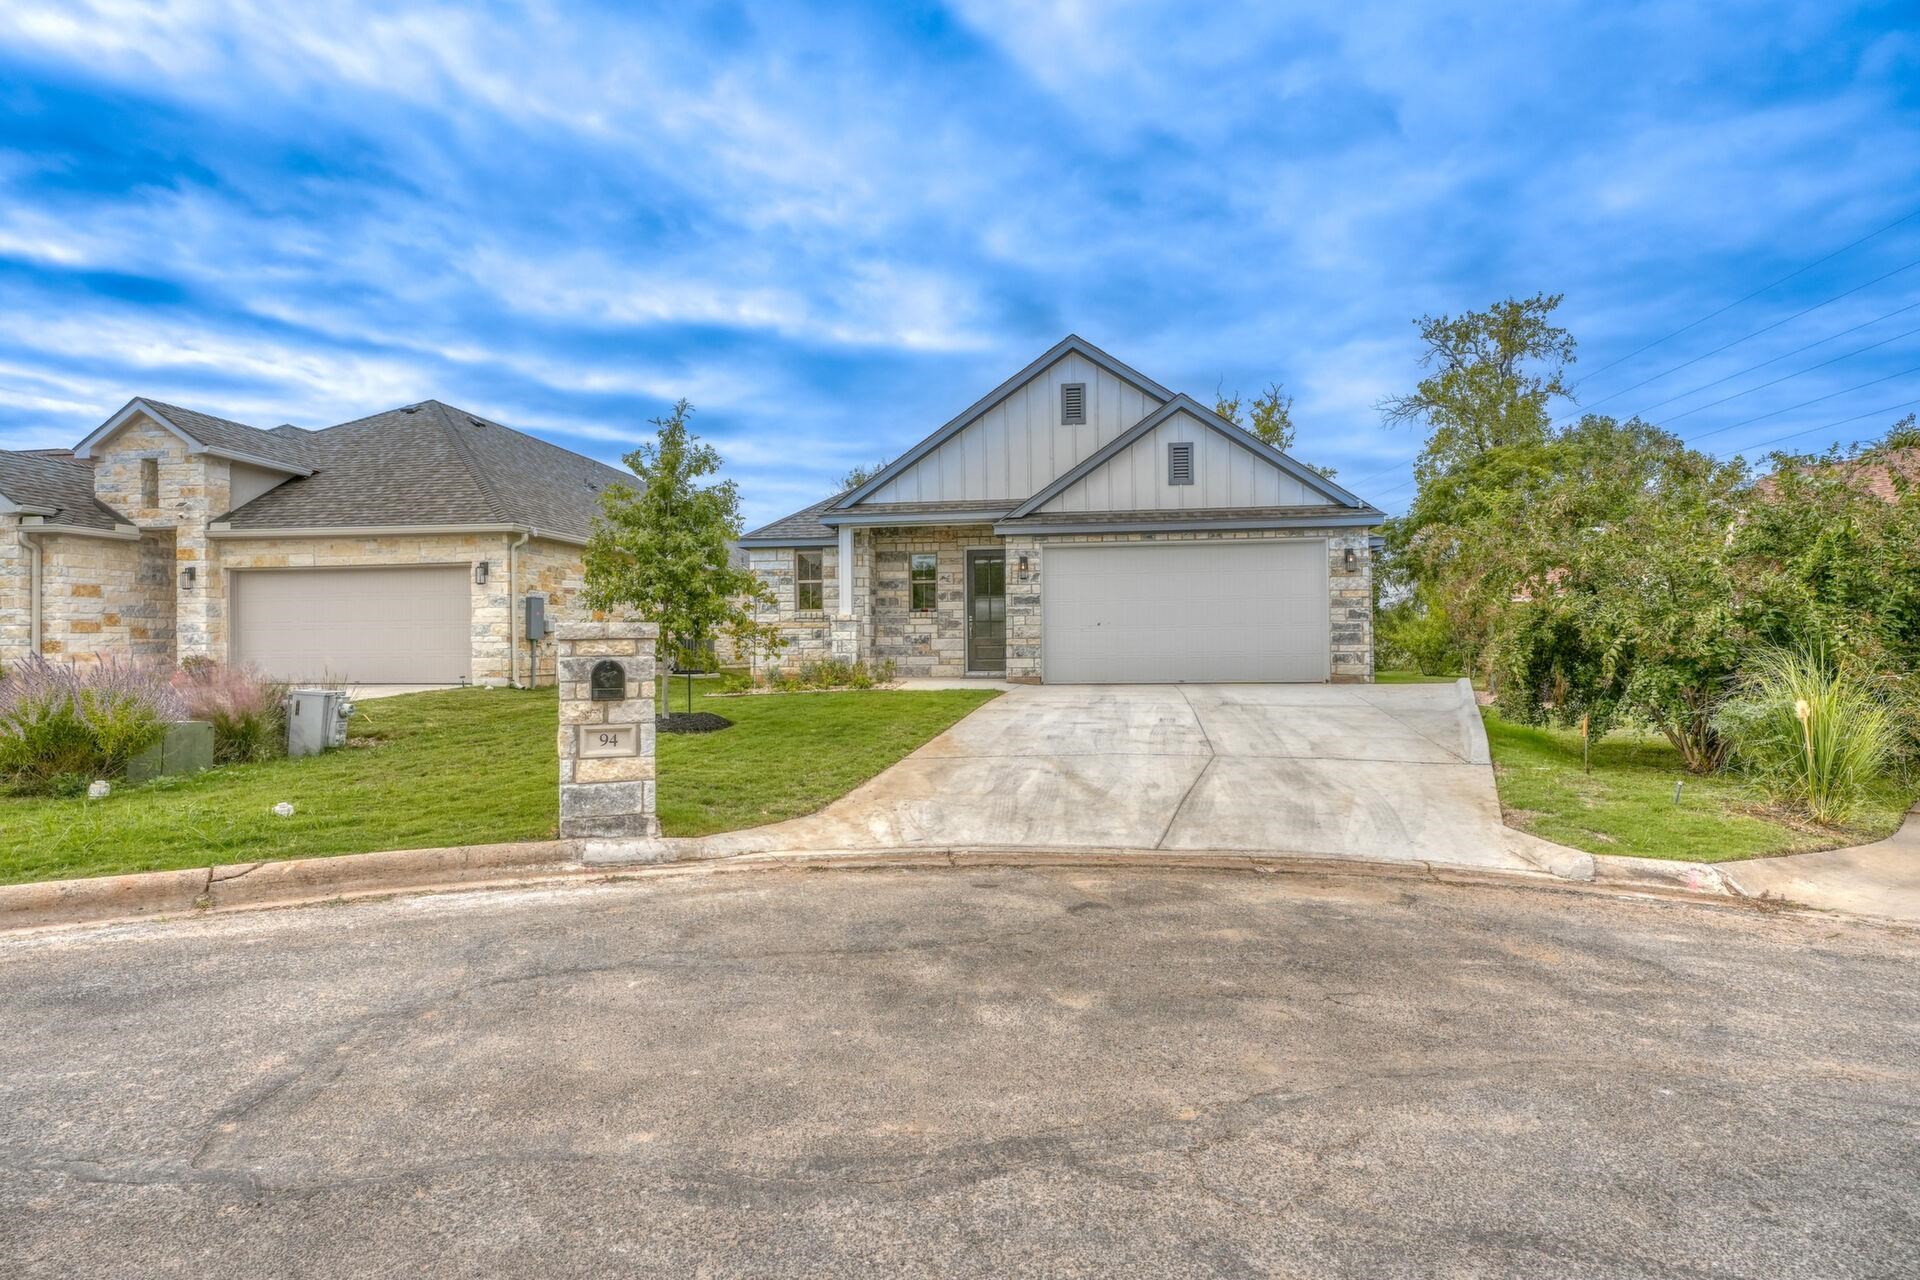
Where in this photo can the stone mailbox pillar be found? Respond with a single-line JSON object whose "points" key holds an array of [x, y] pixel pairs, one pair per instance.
{"points": [[606, 729]]}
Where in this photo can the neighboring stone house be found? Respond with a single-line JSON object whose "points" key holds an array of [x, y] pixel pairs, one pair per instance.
{"points": [[1082, 523], [398, 548]]}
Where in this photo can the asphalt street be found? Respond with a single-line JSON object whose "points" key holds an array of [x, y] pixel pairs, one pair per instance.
{"points": [[992, 1072]]}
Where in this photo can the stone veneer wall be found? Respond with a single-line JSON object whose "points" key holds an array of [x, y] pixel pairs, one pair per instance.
{"points": [[194, 488], [609, 797], [1349, 595], [556, 571], [809, 636], [922, 644], [89, 587], [16, 594]]}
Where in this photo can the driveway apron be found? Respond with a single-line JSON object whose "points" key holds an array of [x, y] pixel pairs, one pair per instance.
{"points": [[1397, 772]]}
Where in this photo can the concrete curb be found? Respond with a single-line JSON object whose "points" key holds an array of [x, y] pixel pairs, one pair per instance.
{"points": [[253, 886], [260, 884], [1479, 750]]}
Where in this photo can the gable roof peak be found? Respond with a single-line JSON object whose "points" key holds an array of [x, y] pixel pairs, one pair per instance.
{"points": [[1072, 344]]}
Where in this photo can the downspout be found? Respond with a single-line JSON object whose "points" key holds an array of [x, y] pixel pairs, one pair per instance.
{"points": [[34, 579], [513, 614]]}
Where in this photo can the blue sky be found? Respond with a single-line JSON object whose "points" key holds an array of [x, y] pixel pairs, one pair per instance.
{"points": [[832, 227]]}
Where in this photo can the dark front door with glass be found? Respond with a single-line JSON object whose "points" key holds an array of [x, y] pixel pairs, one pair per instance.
{"points": [[986, 612]]}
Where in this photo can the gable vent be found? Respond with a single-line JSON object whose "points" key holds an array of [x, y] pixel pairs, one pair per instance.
{"points": [[1073, 403], [1180, 463]]}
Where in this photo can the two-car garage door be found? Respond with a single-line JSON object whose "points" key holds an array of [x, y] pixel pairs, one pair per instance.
{"points": [[402, 625], [1185, 611]]}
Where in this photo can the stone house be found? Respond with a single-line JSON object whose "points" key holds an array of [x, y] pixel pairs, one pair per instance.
{"points": [[396, 549], [1082, 523]]}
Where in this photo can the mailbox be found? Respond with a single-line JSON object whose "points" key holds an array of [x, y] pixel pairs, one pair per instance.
{"points": [[607, 682]]}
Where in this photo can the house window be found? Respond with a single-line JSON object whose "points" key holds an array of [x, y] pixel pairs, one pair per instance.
{"points": [[149, 482], [1180, 462], [923, 582], [809, 593], [1073, 404]]}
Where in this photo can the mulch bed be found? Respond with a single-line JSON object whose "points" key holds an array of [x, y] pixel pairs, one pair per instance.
{"points": [[691, 722]]}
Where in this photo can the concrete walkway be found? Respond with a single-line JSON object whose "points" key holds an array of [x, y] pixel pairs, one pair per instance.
{"points": [[1393, 772], [1880, 879]]}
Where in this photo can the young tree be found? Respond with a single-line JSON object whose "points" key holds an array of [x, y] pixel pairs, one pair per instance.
{"points": [[1272, 418], [660, 548], [859, 474]]}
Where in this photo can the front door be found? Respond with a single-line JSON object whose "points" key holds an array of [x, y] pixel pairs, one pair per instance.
{"points": [[987, 612]]}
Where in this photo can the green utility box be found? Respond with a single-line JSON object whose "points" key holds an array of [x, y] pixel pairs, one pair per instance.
{"points": [[186, 748]]}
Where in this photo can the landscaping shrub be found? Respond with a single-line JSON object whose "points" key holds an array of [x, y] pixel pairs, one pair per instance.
{"points": [[1815, 736], [248, 711], [831, 673], [60, 723]]}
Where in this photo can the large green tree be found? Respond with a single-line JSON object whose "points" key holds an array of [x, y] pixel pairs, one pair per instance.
{"points": [[659, 548], [1486, 403]]}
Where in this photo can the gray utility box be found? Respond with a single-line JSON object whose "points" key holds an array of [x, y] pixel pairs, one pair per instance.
{"points": [[187, 747], [536, 628], [316, 720]]}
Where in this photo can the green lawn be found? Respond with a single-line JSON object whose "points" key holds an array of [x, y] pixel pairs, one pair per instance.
{"points": [[1626, 805], [1410, 677], [470, 766]]}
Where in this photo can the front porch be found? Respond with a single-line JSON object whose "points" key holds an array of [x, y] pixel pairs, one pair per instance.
{"points": [[933, 600]]}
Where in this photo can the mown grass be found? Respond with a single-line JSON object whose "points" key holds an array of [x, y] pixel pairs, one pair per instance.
{"points": [[1626, 806], [469, 766]]}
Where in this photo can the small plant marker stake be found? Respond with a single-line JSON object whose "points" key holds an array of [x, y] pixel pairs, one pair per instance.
{"points": [[1678, 783], [1586, 745]]}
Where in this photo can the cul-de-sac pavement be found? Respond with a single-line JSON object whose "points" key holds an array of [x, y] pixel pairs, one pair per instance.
{"points": [[986, 1072]]}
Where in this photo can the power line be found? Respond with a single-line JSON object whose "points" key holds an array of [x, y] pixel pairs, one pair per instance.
{"points": [[1750, 297], [1803, 404], [1756, 333], [1864, 324], [1788, 377], [1825, 426]]}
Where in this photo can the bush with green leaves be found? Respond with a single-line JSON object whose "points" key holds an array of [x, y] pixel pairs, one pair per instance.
{"points": [[1815, 736], [59, 723], [831, 673], [248, 710]]}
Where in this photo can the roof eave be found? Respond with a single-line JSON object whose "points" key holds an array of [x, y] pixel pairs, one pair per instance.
{"points": [[225, 529], [1058, 525], [106, 430]]}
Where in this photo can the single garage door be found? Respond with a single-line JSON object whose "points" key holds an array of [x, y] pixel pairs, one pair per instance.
{"points": [[368, 626], [1148, 613]]}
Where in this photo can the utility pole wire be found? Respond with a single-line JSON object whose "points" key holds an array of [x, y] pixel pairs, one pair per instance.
{"points": [[1750, 297], [1756, 333], [1788, 377], [1864, 324]]}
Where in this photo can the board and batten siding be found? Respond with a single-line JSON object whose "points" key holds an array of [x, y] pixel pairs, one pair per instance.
{"points": [[1019, 446], [1224, 475]]}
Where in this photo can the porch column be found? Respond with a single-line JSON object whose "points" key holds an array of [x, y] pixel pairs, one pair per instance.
{"points": [[844, 564]]}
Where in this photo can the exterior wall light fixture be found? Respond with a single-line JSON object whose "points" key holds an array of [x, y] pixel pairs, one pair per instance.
{"points": [[480, 573], [187, 576], [1352, 559], [1023, 564]]}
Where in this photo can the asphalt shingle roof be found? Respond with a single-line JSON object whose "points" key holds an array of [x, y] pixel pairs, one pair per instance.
{"points": [[60, 485], [430, 464], [802, 526], [282, 444]]}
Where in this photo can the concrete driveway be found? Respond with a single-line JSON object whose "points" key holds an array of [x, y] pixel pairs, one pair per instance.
{"points": [[1359, 771]]}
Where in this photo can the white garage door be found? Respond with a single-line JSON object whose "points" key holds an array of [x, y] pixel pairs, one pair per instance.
{"points": [[1147, 613], [366, 626]]}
